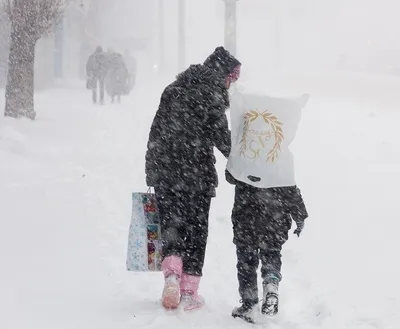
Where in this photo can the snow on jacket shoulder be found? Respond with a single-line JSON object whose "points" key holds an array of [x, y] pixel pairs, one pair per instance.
{"points": [[189, 122]]}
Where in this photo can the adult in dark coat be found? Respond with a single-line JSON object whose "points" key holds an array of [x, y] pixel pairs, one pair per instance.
{"points": [[96, 70], [117, 80], [180, 165]]}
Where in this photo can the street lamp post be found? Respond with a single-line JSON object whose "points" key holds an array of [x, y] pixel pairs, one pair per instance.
{"points": [[161, 49], [230, 26], [181, 35]]}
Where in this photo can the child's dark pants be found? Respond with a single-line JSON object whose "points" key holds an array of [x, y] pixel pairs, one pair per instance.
{"points": [[261, 222]]}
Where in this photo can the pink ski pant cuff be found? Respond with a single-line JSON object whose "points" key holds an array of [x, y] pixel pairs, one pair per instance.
{"points": [[172, 265]]}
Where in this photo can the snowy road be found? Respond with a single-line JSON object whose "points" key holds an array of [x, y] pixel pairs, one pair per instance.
{"points": [[65, 192]]}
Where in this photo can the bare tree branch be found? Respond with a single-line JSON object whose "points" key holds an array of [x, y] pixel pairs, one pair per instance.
{"points": [[35, 17]]}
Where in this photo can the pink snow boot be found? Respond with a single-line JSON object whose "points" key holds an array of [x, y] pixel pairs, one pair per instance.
{"points": [[189, 291], [172, 269]]}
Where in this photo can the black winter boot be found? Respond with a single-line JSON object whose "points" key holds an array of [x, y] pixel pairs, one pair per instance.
{"points": [[271, 298], [247, 311]]}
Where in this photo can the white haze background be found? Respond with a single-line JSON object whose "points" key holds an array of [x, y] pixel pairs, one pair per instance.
{"points": [[66, 179]]}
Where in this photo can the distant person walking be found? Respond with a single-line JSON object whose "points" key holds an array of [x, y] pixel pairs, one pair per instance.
{"points": [[96, 70], [117, 80], [130, 62]]}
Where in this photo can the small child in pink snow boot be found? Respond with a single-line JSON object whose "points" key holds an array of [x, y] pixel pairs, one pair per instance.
{"points": [[180, 165]]}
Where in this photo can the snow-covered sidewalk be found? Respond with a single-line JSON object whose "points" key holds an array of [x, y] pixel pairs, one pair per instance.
{"points": [[65, 199]]}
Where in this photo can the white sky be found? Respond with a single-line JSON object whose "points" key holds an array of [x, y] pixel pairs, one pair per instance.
{"points": [[313, 34]]}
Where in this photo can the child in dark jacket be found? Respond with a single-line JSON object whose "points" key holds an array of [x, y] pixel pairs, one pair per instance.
{"points": [[267, 200], [262, 219]]}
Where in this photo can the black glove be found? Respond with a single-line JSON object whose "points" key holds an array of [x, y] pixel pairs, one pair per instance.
{"points": [[297, 209], [300, 226], [229, 178]]}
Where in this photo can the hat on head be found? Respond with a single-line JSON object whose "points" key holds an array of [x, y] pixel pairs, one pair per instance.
{"points": [[235, 74], [223, 62]]}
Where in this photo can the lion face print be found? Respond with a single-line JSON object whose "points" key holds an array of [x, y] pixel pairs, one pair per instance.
{"points": [[262, 136]]}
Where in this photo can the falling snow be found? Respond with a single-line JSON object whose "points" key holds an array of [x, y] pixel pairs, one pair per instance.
{"points": [[100, 102]]}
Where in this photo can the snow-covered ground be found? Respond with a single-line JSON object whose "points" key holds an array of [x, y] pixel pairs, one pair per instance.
{"points": [[65, 201]]}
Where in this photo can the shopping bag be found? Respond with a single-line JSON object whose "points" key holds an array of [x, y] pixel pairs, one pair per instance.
{"points": [[91, 83], [144, 240], [262, 130]]}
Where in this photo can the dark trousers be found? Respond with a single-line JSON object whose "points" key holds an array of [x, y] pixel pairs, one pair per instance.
{"points": [[261, 224], [184, 227], [100, 81]]}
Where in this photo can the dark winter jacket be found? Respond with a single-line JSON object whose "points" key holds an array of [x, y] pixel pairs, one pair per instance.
{"points": [[289, 197], [117, 80], [190, 121], [96, 66]]}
